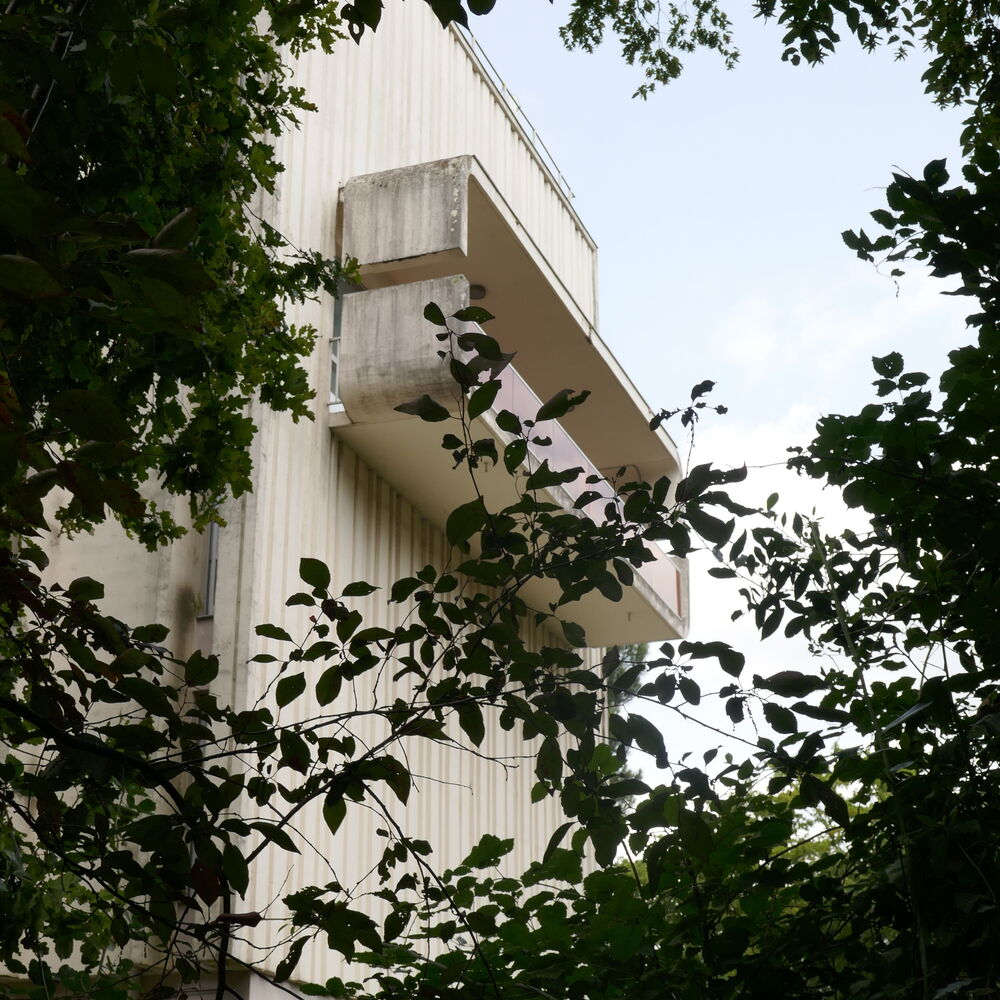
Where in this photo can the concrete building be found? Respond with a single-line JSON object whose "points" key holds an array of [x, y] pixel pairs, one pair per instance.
{"points": [[417, 165]]}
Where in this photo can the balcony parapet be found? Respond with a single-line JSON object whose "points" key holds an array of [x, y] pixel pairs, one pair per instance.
{"points": [[447, 217], [388, 352], [666, 576]]}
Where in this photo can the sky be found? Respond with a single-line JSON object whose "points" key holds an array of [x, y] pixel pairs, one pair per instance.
{"points": [[717, 206]]}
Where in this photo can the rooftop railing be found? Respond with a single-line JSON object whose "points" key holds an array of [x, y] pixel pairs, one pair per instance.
{"points": [[515, 110]]}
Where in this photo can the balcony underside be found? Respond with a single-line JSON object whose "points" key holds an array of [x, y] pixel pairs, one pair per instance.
{"points": [[408, 454]]}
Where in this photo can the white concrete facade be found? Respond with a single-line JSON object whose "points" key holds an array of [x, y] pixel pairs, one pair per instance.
{"points": [[413, 100]]}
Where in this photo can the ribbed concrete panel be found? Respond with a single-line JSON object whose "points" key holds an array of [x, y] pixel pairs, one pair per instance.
{"points": [[367, 531], [410, 94]]}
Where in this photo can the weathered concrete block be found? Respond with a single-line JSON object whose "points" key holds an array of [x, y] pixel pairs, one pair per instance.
{"points": [[408, 213], [389, 354]]}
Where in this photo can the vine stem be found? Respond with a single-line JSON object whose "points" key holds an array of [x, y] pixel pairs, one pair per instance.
{"points": [[221, 981], [860, 664], [452, 905]]}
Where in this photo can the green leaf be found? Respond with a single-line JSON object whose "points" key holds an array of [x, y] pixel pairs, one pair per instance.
{"points": [[697, 481], [274, 834], [289, 688], [368, 11], [294, 751], [514, 455], [334, 810], [11, 140], [834, 805], [628, 787], [27, 278], [234, 867], [549, 764], [433, 314], [358, 589], [425, 408], [470, 718], [489, 852], [158, 72], [402, 589], [473, 314], [273, 632], [555, 840], [85, 589], [543, 477], [732, 661], [790, 683], [574, 635], [646, 736], [394, 924], [287, 965], [394, 774], [448, 11], [710, 527], [201, 670], [770, 624], [780, 719], [348, 625], [314, 572], [150, 633], [175, 267], [560, 404], [205, 882], [464, 521], [772, 832], [122, 498], [329, 684], [91, 415], [179, 231], [509, 422], [690, 691], [695, 835], [822, 713], [889, 366], [482, 399]]}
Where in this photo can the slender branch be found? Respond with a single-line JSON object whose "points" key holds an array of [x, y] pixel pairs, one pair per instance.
{"points": [[881, 742], [223, 946], [71, 742], [453, 906]]}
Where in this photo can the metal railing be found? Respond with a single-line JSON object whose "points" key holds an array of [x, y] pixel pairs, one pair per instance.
{"points": [[516, 111]]}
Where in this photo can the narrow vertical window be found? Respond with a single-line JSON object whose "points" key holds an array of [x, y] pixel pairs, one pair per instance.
{"points": [[343, 289], [211, 571], [335, 359]]}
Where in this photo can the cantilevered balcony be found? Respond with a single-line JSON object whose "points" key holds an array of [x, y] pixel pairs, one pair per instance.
{"points": [[422, 234]]}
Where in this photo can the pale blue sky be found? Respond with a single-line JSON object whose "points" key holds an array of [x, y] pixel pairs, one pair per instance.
{"points": [[718, 206]]}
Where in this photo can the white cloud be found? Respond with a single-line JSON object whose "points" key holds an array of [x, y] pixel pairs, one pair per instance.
{"points": [[808, 346]]}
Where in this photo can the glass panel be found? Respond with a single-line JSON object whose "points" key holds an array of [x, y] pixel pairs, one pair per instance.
{"points": [[211, 571], [335, 352]]}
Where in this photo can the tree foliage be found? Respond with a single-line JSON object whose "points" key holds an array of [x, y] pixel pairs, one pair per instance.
{"points": [[139, 294], [132, 778]]}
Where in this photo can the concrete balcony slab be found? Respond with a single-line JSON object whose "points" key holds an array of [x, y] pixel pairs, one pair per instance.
{"points": [[389, 355]]}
